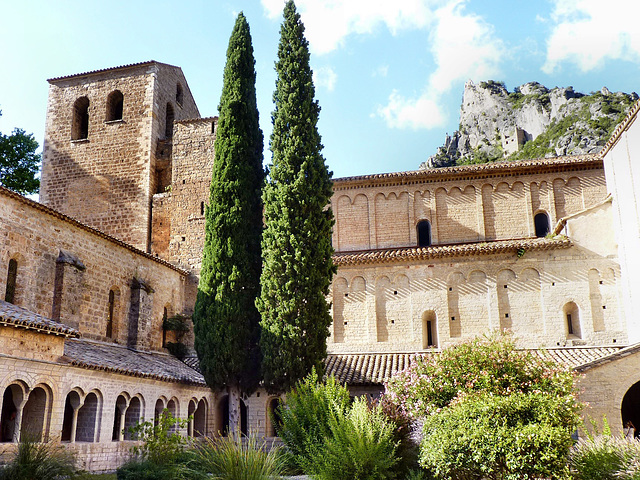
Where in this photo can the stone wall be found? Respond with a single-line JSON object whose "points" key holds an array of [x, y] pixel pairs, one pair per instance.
{"points": [[93, 394], [105, 176], [480, 206], [36, 237]]}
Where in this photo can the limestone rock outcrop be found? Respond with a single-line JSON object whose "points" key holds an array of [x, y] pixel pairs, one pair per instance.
{"points": [[530, 122]]}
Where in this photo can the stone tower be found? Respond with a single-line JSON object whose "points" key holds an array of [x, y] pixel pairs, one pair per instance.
{"points": [[108, 145]]}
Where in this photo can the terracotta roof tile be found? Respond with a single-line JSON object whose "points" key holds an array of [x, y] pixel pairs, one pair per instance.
{"points": [[119, 359], [377, 368], [589, 160], [410, 254], [76, 223], [121, 67], [12, 315]]}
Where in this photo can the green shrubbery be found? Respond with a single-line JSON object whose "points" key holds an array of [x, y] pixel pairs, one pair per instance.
{"points": [[331, 439], [489, 411], [42, 461], [606, 457]]}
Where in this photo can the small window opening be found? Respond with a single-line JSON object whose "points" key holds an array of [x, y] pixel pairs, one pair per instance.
{"points": [[115, 105], [80, 123], [165, 316], [346, 294], [395, 292], [12, 276], [424, 233], [453, 319], [569, 324], [541, 221], [506, 315], [112, 301], [169, 118], [505, 286], [179, 94], [201, 208]]}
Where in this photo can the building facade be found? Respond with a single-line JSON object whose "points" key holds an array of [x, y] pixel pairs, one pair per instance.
{"points": [[96, 276]]}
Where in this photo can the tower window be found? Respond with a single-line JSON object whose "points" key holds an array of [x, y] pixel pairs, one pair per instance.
{"points": [[201, 208], [541, 221], [179, 94], [111, 311], [12, 276], [115, 105], [168, 126], [80, 124], [424, 233]]}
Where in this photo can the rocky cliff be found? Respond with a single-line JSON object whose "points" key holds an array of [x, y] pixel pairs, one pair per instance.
{"points": [[530, 122]]}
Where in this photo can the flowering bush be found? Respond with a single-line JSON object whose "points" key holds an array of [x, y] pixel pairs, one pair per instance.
{"points": [[489, 364]]}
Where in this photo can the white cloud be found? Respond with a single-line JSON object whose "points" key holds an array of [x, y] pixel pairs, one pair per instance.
{"points": [[328, 22], [402, 112], [325, 77], [464, 47], [381, 71], [588, 32]]}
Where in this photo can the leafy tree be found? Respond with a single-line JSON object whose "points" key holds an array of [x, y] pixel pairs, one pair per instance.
{"points": [[226, 321], [297, 266], [19, 162]]}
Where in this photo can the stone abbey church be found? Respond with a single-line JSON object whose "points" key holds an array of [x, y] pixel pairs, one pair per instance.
{"points": [[91, 276]]}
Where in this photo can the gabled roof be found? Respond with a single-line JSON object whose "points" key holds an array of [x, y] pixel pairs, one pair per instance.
{"points": [[115, 358], [102, 70], [411, 254], [14, 316], [378, 368]]}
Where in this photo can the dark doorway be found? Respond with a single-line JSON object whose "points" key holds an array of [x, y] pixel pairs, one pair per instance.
{"points": [[631, 407], [424, 233], [541, 221]]}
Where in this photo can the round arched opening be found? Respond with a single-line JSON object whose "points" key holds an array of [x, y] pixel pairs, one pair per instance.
{"points": [[630, 409]]}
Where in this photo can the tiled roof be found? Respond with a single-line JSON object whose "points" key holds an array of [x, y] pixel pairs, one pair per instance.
{"points": [[430, 174], [411, 254], [119, 359], [377, 368], [12, 315], [76, 223], [121, 67]]}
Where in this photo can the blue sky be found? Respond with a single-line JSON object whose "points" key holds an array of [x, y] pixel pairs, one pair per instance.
{"points": [[389, 74]]}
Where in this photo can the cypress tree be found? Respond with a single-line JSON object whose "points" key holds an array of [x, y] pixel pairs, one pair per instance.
{"points": [[297, 266], [226, 321]]}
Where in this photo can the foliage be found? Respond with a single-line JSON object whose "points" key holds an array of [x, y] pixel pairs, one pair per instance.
{"points": [[161, 444], [237, 458], [177, 349], [297, 265], [605, 457], [513, 437], [403, 432], [226, 321], [147, 470], [489, 364], [176, 323], [306, 415], [42, 461], [19, 162], [360, 446]]}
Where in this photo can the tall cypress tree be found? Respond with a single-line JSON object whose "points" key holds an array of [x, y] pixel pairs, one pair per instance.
{"points": [[296, 245], [226, 321]]}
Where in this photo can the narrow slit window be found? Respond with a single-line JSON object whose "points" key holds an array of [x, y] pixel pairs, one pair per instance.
{"points": [[179, 94], [12, 276], [169, 118], [424, 233], [111, 310]]}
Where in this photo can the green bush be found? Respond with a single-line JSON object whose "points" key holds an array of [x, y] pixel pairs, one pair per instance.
{"points": [[42, 461], [605, 457], [360, 446], [148, 470], [306, 414], [237, 458], [161, 445], [514, 437], [489, 364]]}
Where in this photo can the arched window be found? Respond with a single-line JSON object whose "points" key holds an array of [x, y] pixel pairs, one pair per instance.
{"points": [[168, 125], [541, 221], [572, 319], [244, 426], [12, 275], [273, 417], [179, 94], [200, 419], [34, 415], [429, 330], [115, 104], [10, 401], [132, 417], [80, 124], [630, 410], [88, 418], [424, 233]]}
